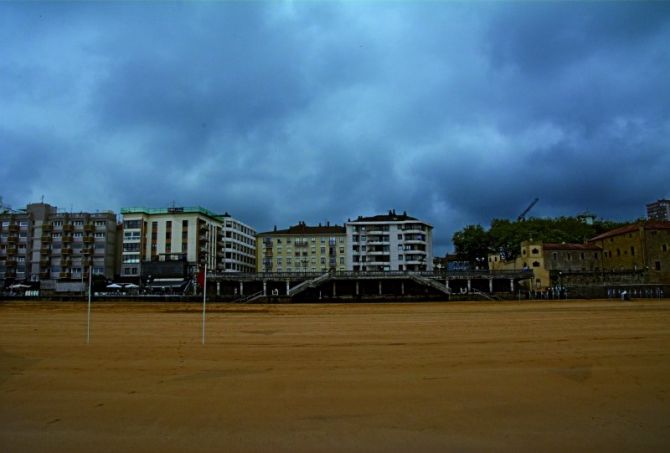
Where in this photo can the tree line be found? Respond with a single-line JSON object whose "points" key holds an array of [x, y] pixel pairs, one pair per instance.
{"points": [[474, 243]]}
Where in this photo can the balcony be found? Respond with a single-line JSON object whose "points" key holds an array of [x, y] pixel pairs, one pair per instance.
{"points": [[87, 251], [45, 250], [47, 228], [68, 228], [89, 239], [44, 262], [45, 274], [89, 228], [66, 239], [13, 228], [46, 238], [66, 251], [64, 275], [12, 239]]}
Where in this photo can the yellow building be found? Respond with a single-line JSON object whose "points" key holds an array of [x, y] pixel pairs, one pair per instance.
{"points": [[643, 246], [301, 248], [547, 260]]}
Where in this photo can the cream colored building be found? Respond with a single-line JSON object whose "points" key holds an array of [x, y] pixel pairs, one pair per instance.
{"points": [[191, 233], [302, 248]]}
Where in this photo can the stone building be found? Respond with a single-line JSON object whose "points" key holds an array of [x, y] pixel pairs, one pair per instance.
{"points": [[550, 261], [643, 246]]}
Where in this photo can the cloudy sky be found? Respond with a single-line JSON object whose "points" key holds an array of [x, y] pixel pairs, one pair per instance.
{"points": [[286, 111]]}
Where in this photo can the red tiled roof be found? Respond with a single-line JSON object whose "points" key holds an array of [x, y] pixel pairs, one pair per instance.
{"points": [[648, 225], [564, 246], [303, 229]]}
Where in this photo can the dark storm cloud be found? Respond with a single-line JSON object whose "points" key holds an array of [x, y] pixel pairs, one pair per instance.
{"points": [[279, 112]]}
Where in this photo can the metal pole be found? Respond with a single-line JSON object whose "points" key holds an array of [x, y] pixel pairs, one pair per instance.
{"points": [[88, 316], [204, 302]]}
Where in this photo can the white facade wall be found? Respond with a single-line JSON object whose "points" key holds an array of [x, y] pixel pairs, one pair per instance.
{"points": [[389, 245]]}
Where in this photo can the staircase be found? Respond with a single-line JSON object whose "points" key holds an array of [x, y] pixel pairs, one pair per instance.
{"points": [[430, 282], [311, 283], [250, 298], [484, 295]]}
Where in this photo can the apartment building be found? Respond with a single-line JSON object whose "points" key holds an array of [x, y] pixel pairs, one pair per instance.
{"points": [[191, 234], [659, 210], [302, 248], [238, 245], [389, 242], [39, 243]]}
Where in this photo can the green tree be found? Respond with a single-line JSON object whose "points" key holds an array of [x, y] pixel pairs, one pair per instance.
{"points": [[472, 244], [504, 236]]}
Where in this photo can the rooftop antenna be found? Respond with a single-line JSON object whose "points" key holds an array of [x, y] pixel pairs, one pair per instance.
{"points": [[42, 199]]}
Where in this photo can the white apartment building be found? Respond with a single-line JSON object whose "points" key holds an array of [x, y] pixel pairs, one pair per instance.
{"points": [[193, 234], [391, 242], [238, 245]]}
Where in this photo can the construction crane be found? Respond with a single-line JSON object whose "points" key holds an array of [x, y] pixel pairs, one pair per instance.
{"points": [[522, 216]]}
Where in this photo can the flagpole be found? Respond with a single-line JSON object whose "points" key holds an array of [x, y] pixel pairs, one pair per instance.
{"points": [[204, 302], [88, 317]]}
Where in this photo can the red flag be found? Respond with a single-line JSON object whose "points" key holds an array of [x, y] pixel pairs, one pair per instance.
{"points": [[201, 278]]}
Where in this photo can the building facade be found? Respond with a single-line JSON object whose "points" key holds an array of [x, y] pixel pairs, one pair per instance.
{"points": [[390, 242], [302, 248], [549, 261], [643, 246], [238, 245], [191, 234], [659, 210], [40, 243]]}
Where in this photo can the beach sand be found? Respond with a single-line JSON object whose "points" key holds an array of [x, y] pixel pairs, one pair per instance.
{"points": [[504, 376]]}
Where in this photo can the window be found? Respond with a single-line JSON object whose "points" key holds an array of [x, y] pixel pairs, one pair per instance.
{"points": [[78, 234], [128, 224], [102, 235], [536, 264], [632, 250], [100, 223], [78, 223], [23, 223], [664, 247], [657, 265], [535, 251], [401, 257], [58, 223]]}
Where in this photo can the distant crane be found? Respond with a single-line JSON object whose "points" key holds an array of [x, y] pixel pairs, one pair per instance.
{"points": [[522, 216]]}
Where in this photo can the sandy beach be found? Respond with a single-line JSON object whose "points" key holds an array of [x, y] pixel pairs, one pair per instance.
{"points": [[549, 376]]}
